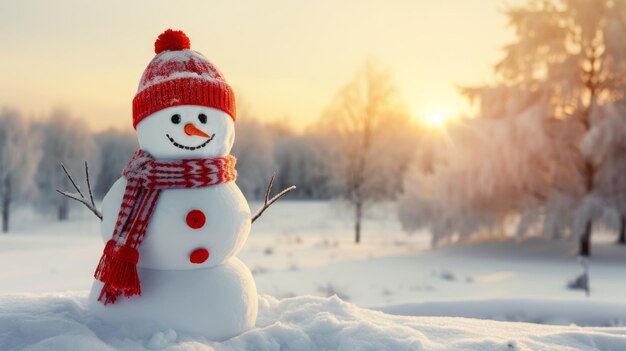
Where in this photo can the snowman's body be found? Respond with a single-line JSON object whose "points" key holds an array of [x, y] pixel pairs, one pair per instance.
{"points": [[216, 295], [171, 237]]}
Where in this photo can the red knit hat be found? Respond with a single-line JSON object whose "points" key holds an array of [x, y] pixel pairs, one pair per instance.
{"points": [[180, 76]]}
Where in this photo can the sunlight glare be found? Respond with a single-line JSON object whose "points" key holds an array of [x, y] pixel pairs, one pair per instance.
{"points": [[436, 119]]}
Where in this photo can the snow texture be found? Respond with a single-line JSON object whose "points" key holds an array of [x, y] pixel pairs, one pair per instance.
{"points": [[60, 322]]}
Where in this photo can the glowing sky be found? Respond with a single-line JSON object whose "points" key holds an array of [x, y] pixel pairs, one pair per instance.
{"points": [[285, 58]]}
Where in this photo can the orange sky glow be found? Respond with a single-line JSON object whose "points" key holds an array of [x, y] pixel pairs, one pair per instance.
{"points": [[285, 59]]}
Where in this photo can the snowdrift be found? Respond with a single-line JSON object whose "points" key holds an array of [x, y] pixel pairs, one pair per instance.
{"points": [[60, 322]]}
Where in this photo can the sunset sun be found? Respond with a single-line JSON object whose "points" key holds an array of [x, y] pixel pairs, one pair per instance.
{"points": [[436, 119]]}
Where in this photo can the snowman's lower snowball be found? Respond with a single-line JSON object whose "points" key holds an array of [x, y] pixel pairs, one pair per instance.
{"points": [[217, 303]]}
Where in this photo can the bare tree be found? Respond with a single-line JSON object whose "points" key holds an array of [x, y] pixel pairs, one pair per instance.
{"points": [[19, 155], [365, 130]]}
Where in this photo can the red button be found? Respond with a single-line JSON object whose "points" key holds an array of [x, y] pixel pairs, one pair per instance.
{"points": [[196, 219], [199, 256]]}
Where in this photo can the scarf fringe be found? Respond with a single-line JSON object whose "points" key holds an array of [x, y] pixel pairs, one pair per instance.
{"points": [[117, 269]]}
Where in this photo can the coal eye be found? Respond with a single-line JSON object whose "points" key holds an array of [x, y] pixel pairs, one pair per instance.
{"points": [[176, 118], [202, 118]]}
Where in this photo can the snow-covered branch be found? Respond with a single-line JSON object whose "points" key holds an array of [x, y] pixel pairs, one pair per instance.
{"points": [[78, 196], [268, 202]]}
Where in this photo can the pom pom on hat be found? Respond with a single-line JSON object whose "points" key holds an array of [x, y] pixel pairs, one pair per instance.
{"points": [[171, 40], [179, 76]]}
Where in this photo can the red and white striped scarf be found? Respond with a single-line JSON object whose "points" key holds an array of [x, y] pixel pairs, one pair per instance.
{"points": [[146, 177]]}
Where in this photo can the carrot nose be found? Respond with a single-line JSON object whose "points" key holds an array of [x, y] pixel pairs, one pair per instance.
{"points": [[190, 129]]}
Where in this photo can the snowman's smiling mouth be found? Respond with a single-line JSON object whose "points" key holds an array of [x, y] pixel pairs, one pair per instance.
{"points": [[185, 147]]}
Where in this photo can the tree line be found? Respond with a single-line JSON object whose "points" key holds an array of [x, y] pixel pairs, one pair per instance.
{"points": [[544, 155], [358, 150]]}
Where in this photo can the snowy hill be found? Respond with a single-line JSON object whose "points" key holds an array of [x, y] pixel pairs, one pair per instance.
{"points": [[60, 322]]}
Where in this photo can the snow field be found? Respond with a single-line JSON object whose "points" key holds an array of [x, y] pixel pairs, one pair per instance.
{"points": [[300, 249], [59, 322]]}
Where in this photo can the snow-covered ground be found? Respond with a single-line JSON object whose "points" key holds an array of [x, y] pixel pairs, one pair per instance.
{"points": [[306, 248], [300, 248], [60, 322]]}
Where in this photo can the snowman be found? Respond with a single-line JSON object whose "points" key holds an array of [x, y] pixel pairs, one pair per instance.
{"points": [[175, 221]]}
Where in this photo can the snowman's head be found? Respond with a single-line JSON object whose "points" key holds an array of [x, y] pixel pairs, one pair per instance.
{"points": [[184, 108], [187, 131]]}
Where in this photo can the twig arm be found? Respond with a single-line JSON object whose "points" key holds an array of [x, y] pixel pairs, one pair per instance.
{"points": [[69, 176], [267, 201], [89, 185], [78, 195]]}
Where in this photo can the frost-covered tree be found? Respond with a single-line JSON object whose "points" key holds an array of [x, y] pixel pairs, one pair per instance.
{"points": [[571, 52], [366, 130], [605, 148], [63, 139], [19, 156], [115, 149], [568, 61], [489, 172]]}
